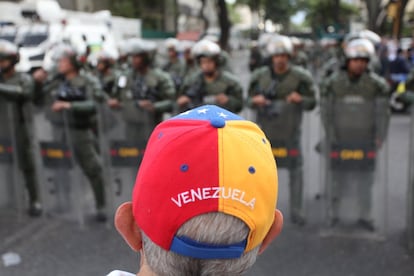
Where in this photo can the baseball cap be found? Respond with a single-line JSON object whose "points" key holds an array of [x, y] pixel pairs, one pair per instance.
{"points": [[205, 160]]}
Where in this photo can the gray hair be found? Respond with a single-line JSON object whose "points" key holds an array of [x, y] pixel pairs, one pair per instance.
{"points": [[215, 228]]}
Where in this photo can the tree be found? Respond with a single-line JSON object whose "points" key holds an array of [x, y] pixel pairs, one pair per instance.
{"points": [[224, 23], [324, 13], [279, 11], [374, 9]]}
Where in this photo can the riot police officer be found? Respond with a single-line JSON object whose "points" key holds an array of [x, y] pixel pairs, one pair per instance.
{"points": [[18, 88], [189, 61], [255, 58], [280, 92], [75, 94], [122, 63], [106, 72], [175, 67], [299, 56], [144, 93], [212, 85], [355, 84]]}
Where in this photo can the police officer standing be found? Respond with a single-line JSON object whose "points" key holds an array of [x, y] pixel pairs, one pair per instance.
{"points": [[189, 61], [255, 58], [75, 93], [122, 63], [299, 57], [18, 88], [106, 72], [143, 93], [355, 84], [283, 83], [211, 85], [175, 67]]}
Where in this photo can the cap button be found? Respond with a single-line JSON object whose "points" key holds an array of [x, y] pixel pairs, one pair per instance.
{"points": [[217, 122]]}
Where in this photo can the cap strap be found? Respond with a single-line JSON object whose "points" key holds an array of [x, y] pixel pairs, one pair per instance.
{"points": [[191, 248]]}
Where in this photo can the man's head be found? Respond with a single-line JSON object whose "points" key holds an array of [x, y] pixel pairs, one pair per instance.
{"points": [[141, 53], [186, 46], [68, 61], [9, 56], [172, 48], [207, 54], [104, 61], [358, 52], [280, 48], [205, 196]]}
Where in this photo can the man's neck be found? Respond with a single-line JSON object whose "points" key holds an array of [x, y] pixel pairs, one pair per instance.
{"points": [[71, 75], [145, 271], [105, 72], [354, 76], [210, 78], [280, 71], [142, 71]]}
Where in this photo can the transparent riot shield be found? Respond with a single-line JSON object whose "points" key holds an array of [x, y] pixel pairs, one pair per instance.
{"points": [[11, 188], [410, 188], [123, 143], [355, 166], [281, 121], [63, 189]]}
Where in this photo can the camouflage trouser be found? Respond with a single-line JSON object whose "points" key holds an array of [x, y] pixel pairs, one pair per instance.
{"points": [[364, 181], [86, 155], [296, 192], [27, 162], [295, 167]]}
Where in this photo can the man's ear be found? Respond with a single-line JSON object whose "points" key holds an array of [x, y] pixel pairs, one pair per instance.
{"points": [[274, 231], [126, 226]]}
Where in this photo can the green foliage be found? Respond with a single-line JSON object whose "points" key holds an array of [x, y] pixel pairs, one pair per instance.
{"points": [[321, 13], [126, 8], [254, 5], [279, 11], [233, 15]]}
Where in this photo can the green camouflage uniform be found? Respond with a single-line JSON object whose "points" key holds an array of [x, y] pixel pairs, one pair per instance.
{"points": [[202, 92], [176, 71], [18, 91], [273, 119], [300, 59], [155, 86], [368, 88], [81, 118]]}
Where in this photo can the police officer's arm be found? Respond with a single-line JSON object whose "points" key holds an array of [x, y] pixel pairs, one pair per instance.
{"points": [[253, 89], [97, 90], [167, 90], [184, 88], [20, 91], [43, 84], [235, 96], [325, 89], [307, 90], [93, 94], [83, 107], [183, 98]]}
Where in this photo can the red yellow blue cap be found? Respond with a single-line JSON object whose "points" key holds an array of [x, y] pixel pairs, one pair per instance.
{"points": [[205, 160]]}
